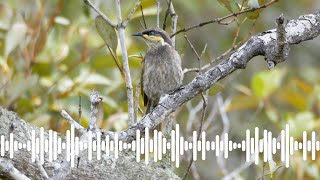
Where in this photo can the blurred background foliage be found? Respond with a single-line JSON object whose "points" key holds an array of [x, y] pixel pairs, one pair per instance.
{"points": [[51, 53]]}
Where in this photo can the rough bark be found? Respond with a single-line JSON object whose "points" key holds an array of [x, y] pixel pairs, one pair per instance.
{"points": [[125, 167]]}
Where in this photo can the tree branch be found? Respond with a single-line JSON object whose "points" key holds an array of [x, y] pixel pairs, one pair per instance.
{"points": [[87, 2], [126, 68], [219, 20], [305, 28]]}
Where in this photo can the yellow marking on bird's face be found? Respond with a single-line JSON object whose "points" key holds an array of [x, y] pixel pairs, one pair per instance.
{"points": [[153, 38]]}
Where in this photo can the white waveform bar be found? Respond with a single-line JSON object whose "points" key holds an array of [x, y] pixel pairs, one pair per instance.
{"points": [[253, 146]]}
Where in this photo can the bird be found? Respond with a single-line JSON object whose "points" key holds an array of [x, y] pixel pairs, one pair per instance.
{"points": [[161, 67]]}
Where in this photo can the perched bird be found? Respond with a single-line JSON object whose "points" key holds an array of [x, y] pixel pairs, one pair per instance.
{"points": [[161, 71]]}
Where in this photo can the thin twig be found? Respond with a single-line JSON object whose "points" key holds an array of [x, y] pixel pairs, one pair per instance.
{"points": [[8, 167], [77, 126], [137, 97], [143, 18], [269, 173], [79, 110], [158, 14], [41, 168], [204, 105], [219, 20], [186, 70], [125, 23], [226, 127], [95, 101], [195, 52], [237, 171], [87, 2], [126, 67], [174, 19], [116, 60], [166, 16]]}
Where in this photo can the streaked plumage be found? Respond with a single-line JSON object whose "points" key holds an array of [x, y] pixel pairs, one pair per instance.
{"points": [[161, 72]]}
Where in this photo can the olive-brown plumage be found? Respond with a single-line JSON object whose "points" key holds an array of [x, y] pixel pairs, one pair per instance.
{"points": [[161, 71]]}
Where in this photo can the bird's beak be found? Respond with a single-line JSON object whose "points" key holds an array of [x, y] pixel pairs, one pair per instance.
{"points": [[137, 34]]}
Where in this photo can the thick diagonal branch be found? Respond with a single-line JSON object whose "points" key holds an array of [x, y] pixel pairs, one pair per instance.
{"points": [[305, 28]]}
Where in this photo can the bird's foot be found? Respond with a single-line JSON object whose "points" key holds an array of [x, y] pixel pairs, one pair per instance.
{"points": [[179, 88]]}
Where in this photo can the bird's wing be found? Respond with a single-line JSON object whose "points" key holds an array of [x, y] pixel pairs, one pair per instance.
{"points": [[145, 98]]}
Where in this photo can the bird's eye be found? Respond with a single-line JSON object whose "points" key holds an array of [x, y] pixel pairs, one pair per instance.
{"points": [[152, 33]]}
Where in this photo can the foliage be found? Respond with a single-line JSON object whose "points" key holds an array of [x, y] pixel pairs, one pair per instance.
{"points": [[51, 52]]}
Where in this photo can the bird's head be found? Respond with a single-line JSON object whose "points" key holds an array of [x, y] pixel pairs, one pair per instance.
{"points": [[155, 37]]}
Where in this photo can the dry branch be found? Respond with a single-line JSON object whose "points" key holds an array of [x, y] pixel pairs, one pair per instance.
{"points": [[305, 28]]}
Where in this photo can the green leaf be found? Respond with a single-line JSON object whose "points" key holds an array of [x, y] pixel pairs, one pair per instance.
{"points": [[253, 15], [226, 4], [266, 82], [243, 102], [14, 37], [216, 88], [107, 33]]}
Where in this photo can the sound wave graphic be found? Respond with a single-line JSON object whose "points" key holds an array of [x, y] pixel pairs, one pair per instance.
{"points": [[73, 146]]}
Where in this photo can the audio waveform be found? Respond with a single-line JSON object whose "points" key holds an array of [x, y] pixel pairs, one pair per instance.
{"points": [[253, 146]]}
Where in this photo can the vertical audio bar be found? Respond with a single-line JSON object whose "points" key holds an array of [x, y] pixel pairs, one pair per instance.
{"points": [[177, 146], [116, 146], [265, 145], [41, 145], [138, 145], [287, 145], [243, 147], [76, 144], [194, 148], [203, 143], [247, 145], [59, 145], [269, 146], [274, 145], [291, 145], [282, 146], [164, 142], [50, 146], [146, 145], [108, 145], [217, 145], [98, 145], [181, 145], [55, 139], [155, 144], [226, 145], [304, 149], [160, 145], [313, 145], [11, 145], [256, 147], [68, 146], [173, 139], [72, 146], [2, 146]]}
